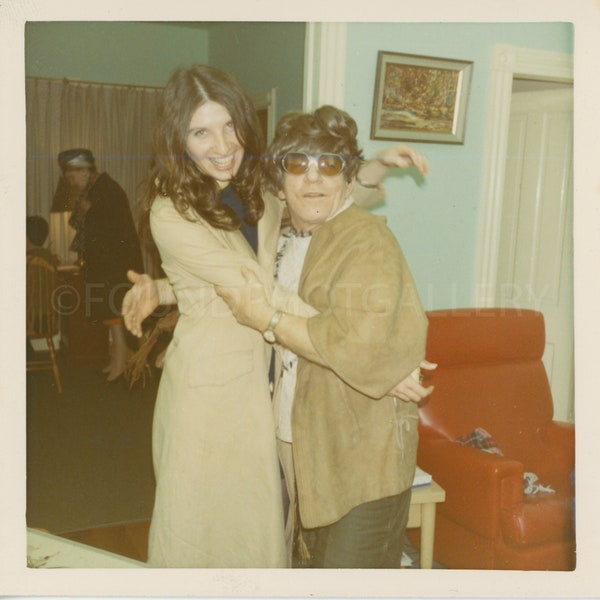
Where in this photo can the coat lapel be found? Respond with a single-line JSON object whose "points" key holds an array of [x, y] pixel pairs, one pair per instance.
{"points": [[268, 232]]}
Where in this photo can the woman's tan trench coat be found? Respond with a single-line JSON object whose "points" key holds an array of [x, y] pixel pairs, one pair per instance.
{"points": [[218, 490]]}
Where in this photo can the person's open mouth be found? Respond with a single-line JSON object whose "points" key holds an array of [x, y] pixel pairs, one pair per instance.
{"points": [[224, 162]]}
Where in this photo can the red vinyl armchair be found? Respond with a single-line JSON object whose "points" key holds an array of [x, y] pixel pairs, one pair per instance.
{"points": [[490, 375]]}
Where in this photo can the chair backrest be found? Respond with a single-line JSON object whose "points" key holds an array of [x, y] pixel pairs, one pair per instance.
{"points": [[40, 309], [490, 374]]}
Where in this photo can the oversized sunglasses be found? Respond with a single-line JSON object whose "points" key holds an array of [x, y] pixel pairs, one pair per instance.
{"points": [[298, 163]]}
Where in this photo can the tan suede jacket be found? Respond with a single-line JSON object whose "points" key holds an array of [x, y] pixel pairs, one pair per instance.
{"points": [[352, 444]]}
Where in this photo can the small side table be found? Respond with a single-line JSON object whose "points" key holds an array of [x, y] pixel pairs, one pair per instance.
{"points": [[422, 514]]}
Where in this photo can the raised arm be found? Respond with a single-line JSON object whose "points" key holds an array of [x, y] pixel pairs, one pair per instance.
{"points": [[369, 189], [194, 249]]}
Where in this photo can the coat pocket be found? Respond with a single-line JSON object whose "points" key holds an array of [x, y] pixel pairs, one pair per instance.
{"points": [[220, 369]]}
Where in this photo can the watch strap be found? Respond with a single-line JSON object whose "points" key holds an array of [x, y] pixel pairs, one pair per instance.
{"points": [[269, 332]]}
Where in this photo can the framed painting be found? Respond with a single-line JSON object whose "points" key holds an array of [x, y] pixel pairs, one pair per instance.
{"points": [[420, 98]]}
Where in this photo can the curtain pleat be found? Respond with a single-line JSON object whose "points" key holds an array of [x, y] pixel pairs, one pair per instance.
{"points": [[114, 122]]}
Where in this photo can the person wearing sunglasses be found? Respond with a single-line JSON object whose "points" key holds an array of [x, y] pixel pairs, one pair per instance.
{"points": [[218, 500], [347, 447]]}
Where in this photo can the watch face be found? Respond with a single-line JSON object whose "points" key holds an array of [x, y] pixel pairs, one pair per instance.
{"points": [[269, 336]]}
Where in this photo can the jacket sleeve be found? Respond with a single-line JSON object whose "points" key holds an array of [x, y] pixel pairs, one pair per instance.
{"points": [[165, 292], [291, 303], [366, 197], [373, 332], [193, 247], [281, 299]]}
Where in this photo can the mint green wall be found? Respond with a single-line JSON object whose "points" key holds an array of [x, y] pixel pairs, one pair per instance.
{"points": [[436, 220], [262, 56], [112, 51]]}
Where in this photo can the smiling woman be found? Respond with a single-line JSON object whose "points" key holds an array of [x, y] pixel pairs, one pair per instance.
{"points": [[218, 493], [212, 142], [207, 132]]}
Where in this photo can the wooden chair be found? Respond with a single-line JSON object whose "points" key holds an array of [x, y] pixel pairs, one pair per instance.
{"points": [[42, 321]]}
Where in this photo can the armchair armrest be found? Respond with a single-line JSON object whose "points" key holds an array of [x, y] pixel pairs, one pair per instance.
{"points": [[478, 484]]}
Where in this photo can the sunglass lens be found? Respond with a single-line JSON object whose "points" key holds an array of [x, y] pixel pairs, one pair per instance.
{"points": [[330, 164], [295, 163]]}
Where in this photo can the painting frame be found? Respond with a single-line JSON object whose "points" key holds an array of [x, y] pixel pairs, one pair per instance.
{"points": [[435, 110]]}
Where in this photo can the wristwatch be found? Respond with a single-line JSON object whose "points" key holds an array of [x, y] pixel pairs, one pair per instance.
{"points": [[269, 332]]}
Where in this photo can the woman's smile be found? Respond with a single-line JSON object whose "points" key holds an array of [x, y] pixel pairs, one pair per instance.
{"points": [[223, 162], [212, 142]]}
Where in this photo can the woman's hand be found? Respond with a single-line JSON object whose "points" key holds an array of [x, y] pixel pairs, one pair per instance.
{"points": [[400, 156], [139, 302], [403, 156], [411, 390], [248, 303]]}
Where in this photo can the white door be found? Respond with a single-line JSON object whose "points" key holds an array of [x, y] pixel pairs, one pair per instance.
{"points": [[535, 268]]}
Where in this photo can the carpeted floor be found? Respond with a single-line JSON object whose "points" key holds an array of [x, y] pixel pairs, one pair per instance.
{"points": [[89, 466], [88, 451]]}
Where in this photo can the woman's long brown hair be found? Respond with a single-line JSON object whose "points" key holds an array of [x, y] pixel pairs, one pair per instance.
{"points": [[175, 175]]}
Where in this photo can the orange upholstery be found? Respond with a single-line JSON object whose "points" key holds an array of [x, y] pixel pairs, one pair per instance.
{"points": [[490, 375], [40, 312]]}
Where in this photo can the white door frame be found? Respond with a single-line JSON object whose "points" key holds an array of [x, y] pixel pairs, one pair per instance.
{"points": [[267, 100], [508, 62], [324, 65]]}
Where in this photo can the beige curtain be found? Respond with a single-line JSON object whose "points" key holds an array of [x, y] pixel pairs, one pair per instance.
{"points": [[114, 122]]}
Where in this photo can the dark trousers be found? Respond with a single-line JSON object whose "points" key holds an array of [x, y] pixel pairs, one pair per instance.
{"points": [[370, 536]]}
